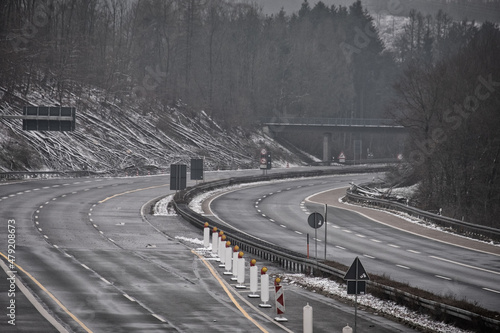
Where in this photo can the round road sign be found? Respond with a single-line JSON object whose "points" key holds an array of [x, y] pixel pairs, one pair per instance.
{"points": [[315, 220]]}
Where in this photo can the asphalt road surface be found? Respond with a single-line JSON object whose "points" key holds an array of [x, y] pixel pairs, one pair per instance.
{"points": [[277, 212], [95, 260]]}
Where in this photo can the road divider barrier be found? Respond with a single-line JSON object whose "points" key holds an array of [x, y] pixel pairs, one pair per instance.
{"points": [[241, 271], [236, 250], [222, 251], [254, 283], [229, 259], [206, 236], [215, 239], [279, 296], [264, 288]]}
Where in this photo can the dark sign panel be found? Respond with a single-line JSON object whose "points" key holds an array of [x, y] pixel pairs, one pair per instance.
{"points": [[196, 169], [178, 178], [49, 118]]}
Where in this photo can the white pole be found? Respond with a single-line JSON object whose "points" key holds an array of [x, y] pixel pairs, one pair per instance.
{"points": [[222, 251], [206, 236], [241, 271], [229, 254], [235, 263], [253, 279], [264, 288], [215, 241], [307, 319]]}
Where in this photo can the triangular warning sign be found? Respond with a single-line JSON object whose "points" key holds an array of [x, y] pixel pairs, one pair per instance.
{"points": [[341, 155], [356, 272]]}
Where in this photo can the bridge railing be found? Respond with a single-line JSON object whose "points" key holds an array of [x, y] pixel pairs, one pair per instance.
{"points": [[328, 121]]}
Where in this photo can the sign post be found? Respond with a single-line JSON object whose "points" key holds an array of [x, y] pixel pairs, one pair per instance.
{"points": [[315, 221], [358, 275]]}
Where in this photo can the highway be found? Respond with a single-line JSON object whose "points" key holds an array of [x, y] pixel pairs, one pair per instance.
{"points": [[277, 212], [96, 260]]}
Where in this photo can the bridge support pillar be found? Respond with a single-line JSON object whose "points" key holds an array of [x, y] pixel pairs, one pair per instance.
{"points": [[267, 131], [327, 151]]}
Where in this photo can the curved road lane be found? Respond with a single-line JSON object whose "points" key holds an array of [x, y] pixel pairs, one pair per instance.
{"points": [[278, 212], [101, 268]]}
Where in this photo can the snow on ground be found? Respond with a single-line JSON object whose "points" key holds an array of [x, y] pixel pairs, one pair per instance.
{"points": [[162, 208]]}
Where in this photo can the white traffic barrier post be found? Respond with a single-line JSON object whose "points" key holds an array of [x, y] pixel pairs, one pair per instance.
{"points": [[236, 249], [253, 279], [222, 251], [219, 244], [280, 300], [215, 239], [307, 324], [241, 271], [206, 236], [229, 259], [347, 329], [264, 288]]}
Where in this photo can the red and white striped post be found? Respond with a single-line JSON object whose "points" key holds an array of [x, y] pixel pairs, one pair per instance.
{"points": [[229, 259], [206, 236], [253, 279], [215, 241], [264, 288], [280, 300], [241, 271], [236, 250], [222, 251]]}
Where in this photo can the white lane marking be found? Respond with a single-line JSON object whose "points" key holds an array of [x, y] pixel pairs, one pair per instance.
{"points": [[375, 240], [340, 247], [46, 237], [282, 225], [405, 267], [413, 251], [129, 298], [394, 246], [335, 226], [159, 318], [263, 215], [492, 290], [359, 235], [348, 231], [298, 232], [443, 277], [105, 281], [369, 256], [271, 220], [465, 265], [111, 240], [85, 266], [56, 246]]}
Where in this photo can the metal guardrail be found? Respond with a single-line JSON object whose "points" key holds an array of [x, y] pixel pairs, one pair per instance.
{"points": [[32, 174], [307, 121], [466, 228], [297, 262]]}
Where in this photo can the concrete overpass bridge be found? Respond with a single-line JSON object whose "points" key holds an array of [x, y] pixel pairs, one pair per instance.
{"points": [[327, 126]]}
